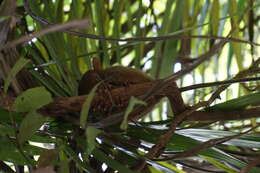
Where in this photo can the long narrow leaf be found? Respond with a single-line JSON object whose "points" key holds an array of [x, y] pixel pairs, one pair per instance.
{"points": [[17, 67]]}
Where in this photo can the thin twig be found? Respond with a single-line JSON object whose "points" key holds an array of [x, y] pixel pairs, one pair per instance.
{"points": [[224, 115], [54, 28], [210, 143], [210, 84]]}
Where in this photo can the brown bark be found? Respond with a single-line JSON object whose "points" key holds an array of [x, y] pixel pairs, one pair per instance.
{"points": [[224, 115], [115, 101]]}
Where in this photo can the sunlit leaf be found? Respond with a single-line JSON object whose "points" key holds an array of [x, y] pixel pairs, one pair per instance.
{"points": [[238, 103], [133, 101], [32, 99]]}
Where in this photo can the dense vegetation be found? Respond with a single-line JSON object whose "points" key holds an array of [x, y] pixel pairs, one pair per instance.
{"points": [[46, 46]]}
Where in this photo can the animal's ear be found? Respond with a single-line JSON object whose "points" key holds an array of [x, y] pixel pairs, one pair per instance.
{"points": [[96, 63]]}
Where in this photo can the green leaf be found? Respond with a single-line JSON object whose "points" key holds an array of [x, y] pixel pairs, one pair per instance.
{"points": [[180, 143], [163, 30], [6, 130], [86, 106], [32, 122], [32, 99], [5, 116], [133, 101], [238, 103], [219, 165], [10, 153], [91, 134], [237, 48], [110, 162], [16, 68], [72, 155], [19, 3], [64, 162], [249, 141], [214, 16], [41, 138]]}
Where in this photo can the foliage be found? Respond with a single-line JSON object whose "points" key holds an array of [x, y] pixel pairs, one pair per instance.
{"points": [[157, 36]]}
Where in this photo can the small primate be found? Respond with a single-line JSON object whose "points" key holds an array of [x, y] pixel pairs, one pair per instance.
{"points": [[113, 77]]}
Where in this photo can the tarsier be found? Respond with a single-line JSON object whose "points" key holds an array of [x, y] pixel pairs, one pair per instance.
{"points": [[109, 79], [112, 77]]}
